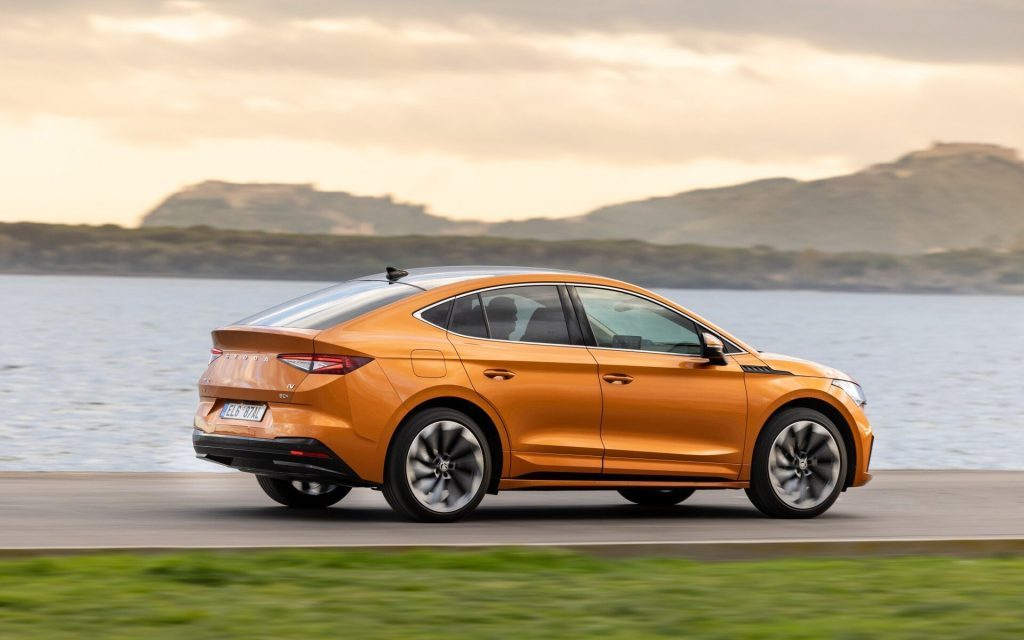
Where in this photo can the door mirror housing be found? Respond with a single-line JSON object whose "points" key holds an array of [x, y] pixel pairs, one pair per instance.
{"points": [[714, 349]]}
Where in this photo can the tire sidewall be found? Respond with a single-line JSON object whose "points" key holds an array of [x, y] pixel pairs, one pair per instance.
{"points": [[764, 496], [397, 488]]}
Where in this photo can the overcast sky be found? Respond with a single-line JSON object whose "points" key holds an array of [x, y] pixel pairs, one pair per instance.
{"points": [[500, 109]]}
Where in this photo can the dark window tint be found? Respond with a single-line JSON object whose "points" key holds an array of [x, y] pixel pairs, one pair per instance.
{"points": [[730, 347], [438, 314], [526, 314], [331, 306], [624, 321], [468, 317]]}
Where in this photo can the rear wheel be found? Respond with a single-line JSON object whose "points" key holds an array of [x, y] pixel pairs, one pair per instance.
{"points": [[799, 465], [302, 494], [438, 466], [656, 497]]}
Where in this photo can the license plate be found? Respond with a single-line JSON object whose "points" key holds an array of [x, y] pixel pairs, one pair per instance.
{"points": [[243, 411]]}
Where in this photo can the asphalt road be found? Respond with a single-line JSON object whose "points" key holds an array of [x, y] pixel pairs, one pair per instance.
{"points": [[57, 510]]}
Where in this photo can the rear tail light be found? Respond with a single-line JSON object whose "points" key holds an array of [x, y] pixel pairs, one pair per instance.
{"points": [[316, 363], [215, 353]]}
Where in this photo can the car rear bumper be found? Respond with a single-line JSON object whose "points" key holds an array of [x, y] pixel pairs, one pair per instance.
{"points": [[290, 458]]}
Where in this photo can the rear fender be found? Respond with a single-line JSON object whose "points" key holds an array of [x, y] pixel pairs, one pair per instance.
{"points": [[435, 393]]}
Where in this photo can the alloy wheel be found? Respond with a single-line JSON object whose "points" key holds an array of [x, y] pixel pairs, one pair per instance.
{"points": [[445, 466], [804, 464]]}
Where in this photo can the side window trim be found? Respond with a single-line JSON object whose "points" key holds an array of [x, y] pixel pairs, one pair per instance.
{"points": [[560, 287], [483, 312], [581, 317], [572, 321], [572, 306]]}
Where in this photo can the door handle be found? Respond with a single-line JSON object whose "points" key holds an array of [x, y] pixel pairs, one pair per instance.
{"points": [[617, 378], [499, 374]]}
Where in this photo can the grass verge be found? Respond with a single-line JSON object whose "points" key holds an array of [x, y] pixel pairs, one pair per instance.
{"points": [[504, 594]]}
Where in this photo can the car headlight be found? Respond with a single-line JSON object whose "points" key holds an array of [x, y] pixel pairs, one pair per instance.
{"points": [[853, 390]]}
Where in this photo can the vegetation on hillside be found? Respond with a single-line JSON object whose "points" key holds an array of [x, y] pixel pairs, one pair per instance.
{"points": [[205, 252], [951, 196], [503, 594]]}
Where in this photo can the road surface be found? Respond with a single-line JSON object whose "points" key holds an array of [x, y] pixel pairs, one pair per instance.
{"points": [[161, 510]]}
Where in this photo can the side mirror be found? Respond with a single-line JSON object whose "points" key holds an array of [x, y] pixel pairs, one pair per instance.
{"points": [[714, 350]]}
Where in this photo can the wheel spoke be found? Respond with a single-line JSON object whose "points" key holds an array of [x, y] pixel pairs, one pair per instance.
{"points": [[458, 484], [426, 473], [816, 440], [436, 490], [816, 485], [445, 434], [804, 437], [782, 460], [463, 449]]}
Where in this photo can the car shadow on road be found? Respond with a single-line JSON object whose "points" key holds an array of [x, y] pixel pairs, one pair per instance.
{"points": [[513, 513]]}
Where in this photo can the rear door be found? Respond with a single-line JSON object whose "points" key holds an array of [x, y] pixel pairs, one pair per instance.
{"points": [[526, 358]]}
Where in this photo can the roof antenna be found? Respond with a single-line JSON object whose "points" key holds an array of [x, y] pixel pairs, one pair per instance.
{"points": [[395, 274]]}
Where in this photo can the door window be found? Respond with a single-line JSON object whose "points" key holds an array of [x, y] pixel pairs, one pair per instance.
{"points": [[468, 317], [621, 320], [526, 314]]}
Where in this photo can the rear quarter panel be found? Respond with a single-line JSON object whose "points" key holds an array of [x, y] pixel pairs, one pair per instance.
{"points": [[418, 364]]}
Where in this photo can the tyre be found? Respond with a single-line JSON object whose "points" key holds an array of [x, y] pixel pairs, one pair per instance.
{"points": [[656, 497], [799, 465], [302, 494], [438, 466]]}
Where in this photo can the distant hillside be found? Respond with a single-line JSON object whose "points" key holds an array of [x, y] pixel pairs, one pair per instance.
{"points": [[205, 252], [952, 196], [295, 208]]}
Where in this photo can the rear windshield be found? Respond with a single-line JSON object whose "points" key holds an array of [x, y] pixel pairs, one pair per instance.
{"points": [[331, 306]]}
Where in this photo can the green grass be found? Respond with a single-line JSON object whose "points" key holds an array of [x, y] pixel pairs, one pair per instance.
{"points": [[504, 594]]}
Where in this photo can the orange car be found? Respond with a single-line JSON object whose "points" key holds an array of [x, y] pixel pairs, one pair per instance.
{"points": [[440, 385]]}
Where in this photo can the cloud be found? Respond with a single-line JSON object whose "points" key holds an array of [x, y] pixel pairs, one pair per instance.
{"points": [[976, 31], [566, 89], [471, 86]]}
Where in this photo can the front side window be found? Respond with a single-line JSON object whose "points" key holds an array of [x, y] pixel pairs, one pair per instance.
{"points": [[621, 320], [526, 314]]}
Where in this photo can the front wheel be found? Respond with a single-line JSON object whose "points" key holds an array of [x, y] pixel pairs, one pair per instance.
{"points": [[302, 494], [438, 466], [656, 497], [799, 465]]}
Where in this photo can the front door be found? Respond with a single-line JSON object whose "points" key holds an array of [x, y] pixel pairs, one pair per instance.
{"points": [[516, 347], [667, 410]]}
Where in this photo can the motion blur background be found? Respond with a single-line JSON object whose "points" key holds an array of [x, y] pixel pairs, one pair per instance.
{"points": [[837, 181]]}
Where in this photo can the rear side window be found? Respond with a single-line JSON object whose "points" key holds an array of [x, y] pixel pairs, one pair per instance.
{"points": [[526, 314], [438, 314], [468, 317], [331, 306]]}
